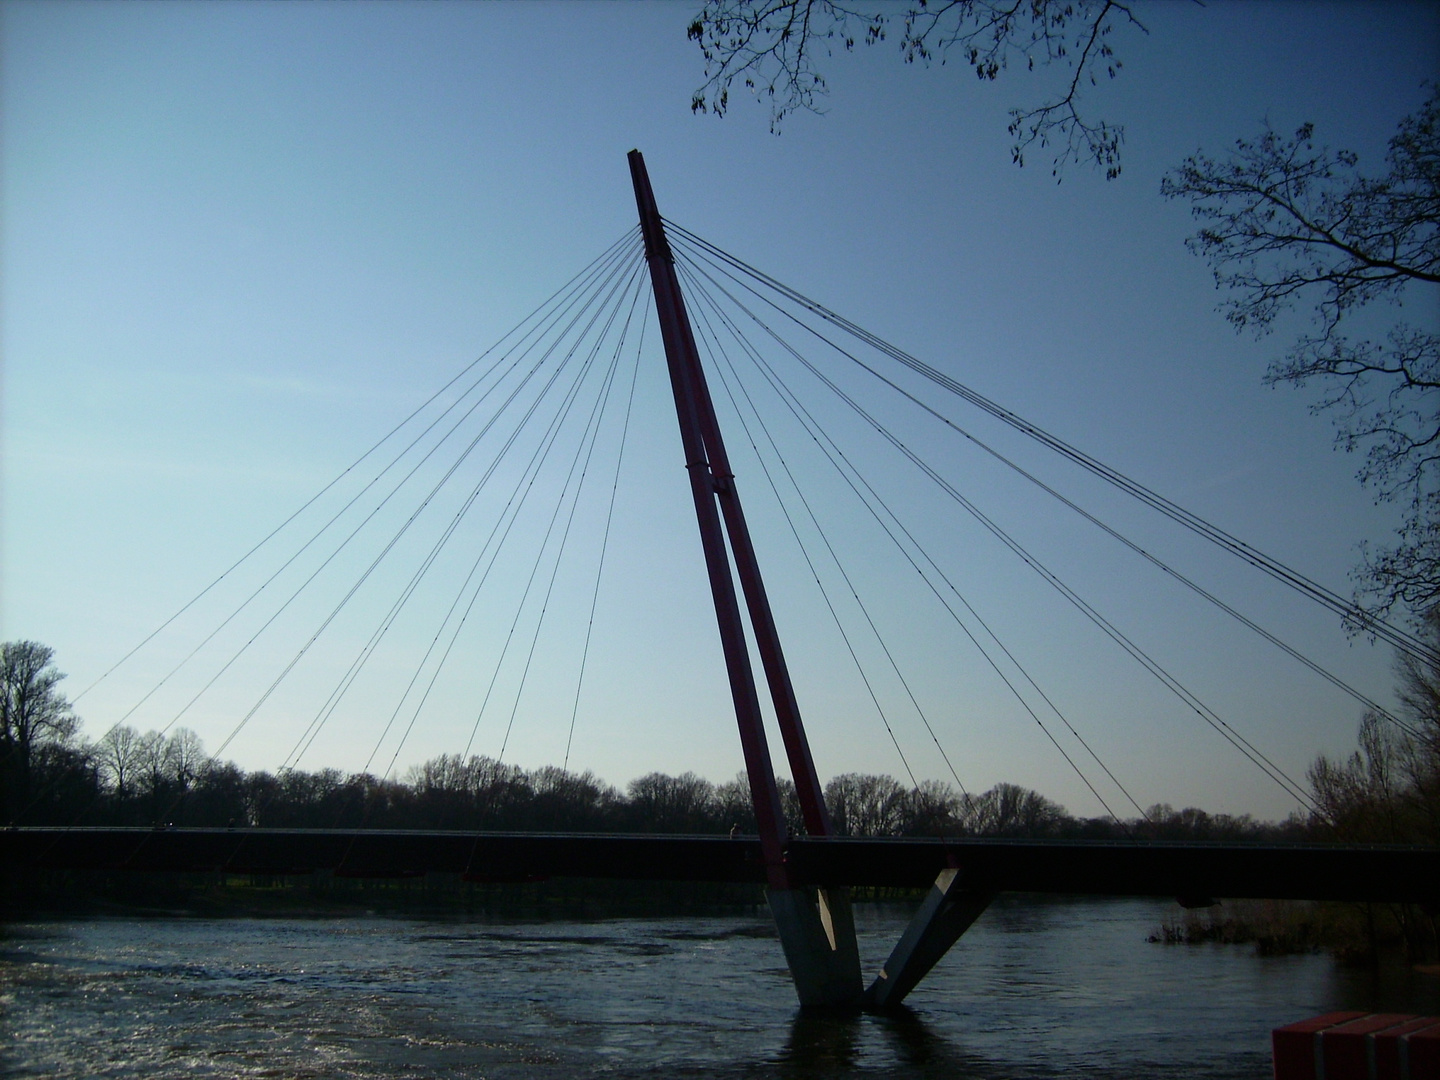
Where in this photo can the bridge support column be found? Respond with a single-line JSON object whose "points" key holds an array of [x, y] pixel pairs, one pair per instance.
{"points": [[816, 928], [947, 912], [817, 932]]}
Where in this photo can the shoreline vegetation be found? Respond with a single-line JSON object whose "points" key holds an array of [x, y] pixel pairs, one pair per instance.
{"points": [[1356, 935]]}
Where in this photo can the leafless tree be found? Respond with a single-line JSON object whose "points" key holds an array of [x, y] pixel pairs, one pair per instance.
{"points": [[566, 799], [863, 804], [774, 48], [1012, 810], [935, 810], [150, 755], [118, 755], [1285, 221], [185, 758], [732, 801], [33, 713], [684, 803], [1388, 790]]}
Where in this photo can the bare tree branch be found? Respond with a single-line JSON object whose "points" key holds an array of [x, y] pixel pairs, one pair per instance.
{"points": [[1284, 221], [33, 715], [770, 46]]}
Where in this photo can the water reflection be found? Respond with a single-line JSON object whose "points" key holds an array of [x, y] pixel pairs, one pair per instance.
{"points": [[917, 1045], [900, 1043], [820, 1044]]}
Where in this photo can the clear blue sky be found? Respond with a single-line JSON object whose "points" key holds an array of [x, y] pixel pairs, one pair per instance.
{"points": [[240, 241]]}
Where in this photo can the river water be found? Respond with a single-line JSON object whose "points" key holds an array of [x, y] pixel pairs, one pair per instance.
{"points": [[1036, 989]]}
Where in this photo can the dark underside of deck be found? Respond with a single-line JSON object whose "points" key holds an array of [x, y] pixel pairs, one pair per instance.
{"points": [[1292, 871]]}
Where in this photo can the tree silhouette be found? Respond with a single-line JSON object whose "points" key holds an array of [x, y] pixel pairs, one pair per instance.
{"points": [[33, 713], [771, 46], [1285, 222]]}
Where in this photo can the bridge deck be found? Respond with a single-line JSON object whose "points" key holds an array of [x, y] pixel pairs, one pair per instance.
{"points": [[1281, 871]]}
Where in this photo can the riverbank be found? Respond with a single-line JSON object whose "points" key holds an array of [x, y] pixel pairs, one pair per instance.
{"points": [[1355, 934]]}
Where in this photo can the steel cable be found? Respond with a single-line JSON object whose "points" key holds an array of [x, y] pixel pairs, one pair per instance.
{"points": [[1257, 757], [1350, 612]]}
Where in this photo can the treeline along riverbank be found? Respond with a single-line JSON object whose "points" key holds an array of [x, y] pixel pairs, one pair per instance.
{"points": [[137, 780]]}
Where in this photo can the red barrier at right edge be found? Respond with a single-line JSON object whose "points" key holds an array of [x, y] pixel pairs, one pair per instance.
{"points": [[1358, 1046]]}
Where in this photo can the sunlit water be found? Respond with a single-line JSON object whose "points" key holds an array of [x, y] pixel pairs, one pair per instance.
{"points": [[1052, 989]]}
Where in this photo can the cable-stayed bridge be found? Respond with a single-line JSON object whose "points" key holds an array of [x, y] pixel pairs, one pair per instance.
{"points": [[540, 404]]}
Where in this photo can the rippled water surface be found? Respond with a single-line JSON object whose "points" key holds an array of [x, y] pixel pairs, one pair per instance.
{"points": [[1033, 990]]}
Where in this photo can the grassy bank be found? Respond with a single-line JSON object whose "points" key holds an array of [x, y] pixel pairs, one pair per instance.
{"points": [[1353, 933]]}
